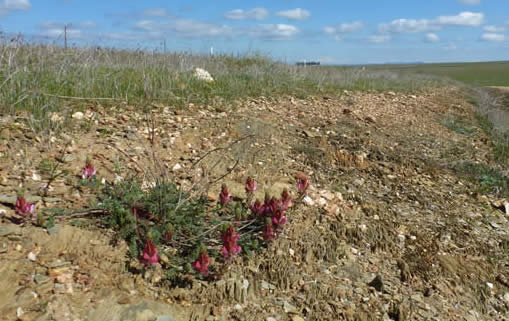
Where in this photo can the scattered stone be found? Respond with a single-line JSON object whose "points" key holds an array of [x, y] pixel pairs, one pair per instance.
{"points": [[176, 167], [308, 201], [67, 158], [267, 286], [41, 279], [506, 297], [370, 119], [322, 202], [19, 312], [202, 74], [288, 308], [9, 229], [358, 182], [310, 134], [32, 256], [78, 115], [55, 117], [54, 229], [36, 177], [377, 283]]}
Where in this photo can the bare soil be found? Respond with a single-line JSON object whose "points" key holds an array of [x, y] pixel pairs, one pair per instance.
{"points": [[394, 233]]}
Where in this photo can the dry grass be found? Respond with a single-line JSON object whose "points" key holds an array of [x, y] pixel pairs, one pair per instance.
{"points": [[37, 79]]}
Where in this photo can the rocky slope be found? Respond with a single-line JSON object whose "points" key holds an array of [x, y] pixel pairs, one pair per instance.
{"points": [[393, 228]]}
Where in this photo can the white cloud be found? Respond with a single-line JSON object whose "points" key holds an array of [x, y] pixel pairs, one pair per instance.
{"points": [[431, 37], [155, 12], [470, 2], [295, 14], [253, 14], [343, 29], [407, 26], [74, 30], [495, 37], [467, 19], [6, 6], [494, 29], [183, 28], [275, 31], [379, 38]]}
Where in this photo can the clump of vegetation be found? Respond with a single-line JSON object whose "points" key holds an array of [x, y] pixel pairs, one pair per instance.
{"points": [[459, 126], [489, 179], [189, 232]]}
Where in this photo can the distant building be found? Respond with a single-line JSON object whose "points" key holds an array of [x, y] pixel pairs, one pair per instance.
{"points": [[308, 63]]}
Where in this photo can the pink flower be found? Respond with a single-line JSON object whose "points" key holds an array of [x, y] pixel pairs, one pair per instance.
{"points": [[230, 247], [149, 255], [250, 185], [88, 171], [268, 232], [279, 218], [22, 207], [270, 206], [286, 199], [302, 184], [201, 265], [257, 208], [224, 196]]}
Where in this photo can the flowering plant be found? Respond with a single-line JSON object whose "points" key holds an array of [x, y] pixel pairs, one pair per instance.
{"points": [[24, 208], [201, 265], [150, 254], [89, 170], [230, 247], [224, 197]]}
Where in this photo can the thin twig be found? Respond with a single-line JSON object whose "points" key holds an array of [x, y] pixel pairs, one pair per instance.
{"points": [[78, 98], [227, 173], [221, 148], [84, 213]]}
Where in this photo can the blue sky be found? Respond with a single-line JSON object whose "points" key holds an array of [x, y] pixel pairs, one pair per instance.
{"points": [[338, 32]]}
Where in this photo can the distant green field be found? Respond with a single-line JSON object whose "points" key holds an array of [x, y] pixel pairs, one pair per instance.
{"points": [[477, 73]]}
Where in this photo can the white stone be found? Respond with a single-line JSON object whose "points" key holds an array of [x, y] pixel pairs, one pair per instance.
{"points": [[19, 312], [32, 257], [36, 177], [308, 201], [56, 118], [78, 115], [322, 201], [176, 167], [202, 74]]}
